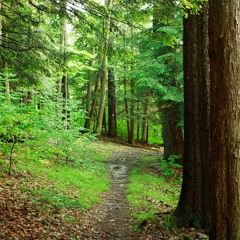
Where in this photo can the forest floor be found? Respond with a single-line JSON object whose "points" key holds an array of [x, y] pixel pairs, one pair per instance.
{"points": [[22, 218]]}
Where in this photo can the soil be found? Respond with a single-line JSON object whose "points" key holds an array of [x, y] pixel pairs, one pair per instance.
{"points": [[112, 219]]}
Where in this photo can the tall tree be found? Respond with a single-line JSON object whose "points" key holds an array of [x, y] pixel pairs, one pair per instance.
{"points": [[104, 75], [193, 207], [168, 28], [146, 103], [224, 18], [112, 120]]}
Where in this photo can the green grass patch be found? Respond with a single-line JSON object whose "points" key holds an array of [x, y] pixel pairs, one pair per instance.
{"points": [[150, 192], [67, 186]]}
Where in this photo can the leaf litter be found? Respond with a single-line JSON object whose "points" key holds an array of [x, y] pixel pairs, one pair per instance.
{"points": [[22, 217]]}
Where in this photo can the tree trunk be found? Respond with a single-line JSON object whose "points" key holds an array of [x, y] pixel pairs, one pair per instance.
{"points": [[88, 97], [132, 114], [138, 120], [225, 118], [193, 207], [4, 64], [126, 102], [104, 69], [112, 121], [94, 102], [172, 133], [145, 119], [65, 95], [63, 63], [6, 81]]}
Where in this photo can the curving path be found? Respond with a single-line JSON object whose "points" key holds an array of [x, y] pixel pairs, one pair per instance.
{"points": [[111, 220]]}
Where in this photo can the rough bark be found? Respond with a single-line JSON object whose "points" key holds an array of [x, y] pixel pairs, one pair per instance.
{"points": [[112, 121], [193, 207], [224, 33]]}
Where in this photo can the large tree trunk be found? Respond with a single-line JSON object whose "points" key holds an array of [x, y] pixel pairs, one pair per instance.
{"points": [[112, 121], [225, 118], [193, 207]]}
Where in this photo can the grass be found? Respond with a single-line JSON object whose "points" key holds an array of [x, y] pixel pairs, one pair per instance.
{"points": [[151, 191], [67, 186]]}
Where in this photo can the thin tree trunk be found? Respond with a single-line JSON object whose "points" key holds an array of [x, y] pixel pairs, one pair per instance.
{"points": [[132, 114], [4, 64], [126, 102], [63, 43], [89, 89], [65, 94], [145, 119], [225, 118], [94, 103], [138, 120], [104, 70], [104, 123], [6, 81], [112, 121]]}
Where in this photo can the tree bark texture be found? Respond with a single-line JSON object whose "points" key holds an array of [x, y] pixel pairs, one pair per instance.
{"points": [[224, 35], [112, 120], [193, 206]]}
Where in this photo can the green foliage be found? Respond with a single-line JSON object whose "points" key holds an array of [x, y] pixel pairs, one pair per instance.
{"points": [[47, 198], [150, 193], [192, 6], [67, 186]]}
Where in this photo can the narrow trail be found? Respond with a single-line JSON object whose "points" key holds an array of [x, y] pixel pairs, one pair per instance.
{"points": [[112, 219]]}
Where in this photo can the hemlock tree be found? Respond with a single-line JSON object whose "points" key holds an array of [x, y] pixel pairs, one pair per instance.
{"points": [[193, 207], [224, 18]]}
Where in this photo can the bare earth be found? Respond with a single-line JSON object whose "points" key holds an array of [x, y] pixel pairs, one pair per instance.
{"points": [[111, 220]]}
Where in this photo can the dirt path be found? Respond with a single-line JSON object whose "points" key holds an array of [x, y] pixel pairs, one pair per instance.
{"points": [[111, 220]]}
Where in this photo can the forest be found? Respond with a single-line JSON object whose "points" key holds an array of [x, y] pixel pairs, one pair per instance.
{"points": [[119, 119]]}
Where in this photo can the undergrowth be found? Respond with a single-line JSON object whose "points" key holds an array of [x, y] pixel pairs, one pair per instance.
{"points": [[52, 184], [153, 190]]}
